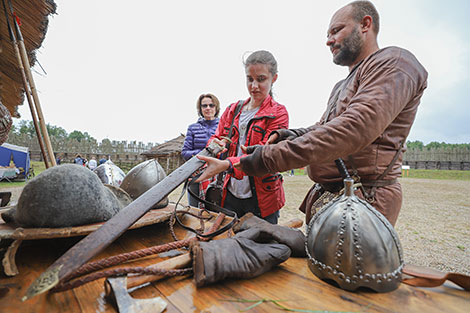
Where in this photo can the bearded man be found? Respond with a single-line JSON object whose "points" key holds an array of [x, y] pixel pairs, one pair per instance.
{"points": [[366, 123]]}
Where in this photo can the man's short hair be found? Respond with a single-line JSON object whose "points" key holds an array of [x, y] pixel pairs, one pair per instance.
{"points": [[363, 8]]}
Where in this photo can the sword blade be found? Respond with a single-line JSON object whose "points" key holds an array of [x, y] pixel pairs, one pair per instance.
{"points": [[98, 240]]}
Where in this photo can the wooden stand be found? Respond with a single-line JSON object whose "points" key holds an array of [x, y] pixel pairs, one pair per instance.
{"points": [[18, 234]]}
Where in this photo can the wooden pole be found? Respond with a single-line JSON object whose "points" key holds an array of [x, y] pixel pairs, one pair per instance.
{"points": [[26, 87], [32, 85]]}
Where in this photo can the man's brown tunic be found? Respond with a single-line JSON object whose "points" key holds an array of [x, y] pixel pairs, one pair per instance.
{"points": [[369, 115]]}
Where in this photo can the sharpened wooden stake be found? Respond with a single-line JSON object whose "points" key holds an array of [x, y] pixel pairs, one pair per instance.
{"points": [[32, 86], [26, 86]]}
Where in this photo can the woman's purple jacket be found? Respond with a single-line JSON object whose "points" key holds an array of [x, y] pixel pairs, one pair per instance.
{"points": [[197, 136]]}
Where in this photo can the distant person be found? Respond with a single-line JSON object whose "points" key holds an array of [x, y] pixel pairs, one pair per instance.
{"points": [[198, 134], [92, 164], [58, 160], [367, 120], [258, 117], [103, 160], [78, 160]]}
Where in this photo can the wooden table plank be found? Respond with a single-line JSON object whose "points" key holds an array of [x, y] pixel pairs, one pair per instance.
{"points": [[291, 281]]}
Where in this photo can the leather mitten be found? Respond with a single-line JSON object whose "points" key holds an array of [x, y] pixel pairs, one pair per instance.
{"points": [[259, 230], [234, 257]]}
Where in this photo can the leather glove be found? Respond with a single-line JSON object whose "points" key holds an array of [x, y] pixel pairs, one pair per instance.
{"points": [[252, 164], [235, 257], [259, 230], [288, 134]]}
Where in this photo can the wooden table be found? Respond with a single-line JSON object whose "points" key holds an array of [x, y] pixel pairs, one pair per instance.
{"points": [[291, 282]]}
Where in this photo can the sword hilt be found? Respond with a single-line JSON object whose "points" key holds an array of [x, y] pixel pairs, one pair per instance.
{"points": [[342, 168]]}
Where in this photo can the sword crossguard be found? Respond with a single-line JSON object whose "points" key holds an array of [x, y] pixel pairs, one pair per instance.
{"points": [[214, 148]]}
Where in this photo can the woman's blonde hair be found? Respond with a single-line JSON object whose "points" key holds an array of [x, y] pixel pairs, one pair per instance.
{"points": [[214, 100]]}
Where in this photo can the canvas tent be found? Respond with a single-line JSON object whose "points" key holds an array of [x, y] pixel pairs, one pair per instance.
{"points": [[19, 155]]}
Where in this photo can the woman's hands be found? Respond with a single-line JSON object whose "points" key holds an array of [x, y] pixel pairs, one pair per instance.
{"points": [[214, 167]]}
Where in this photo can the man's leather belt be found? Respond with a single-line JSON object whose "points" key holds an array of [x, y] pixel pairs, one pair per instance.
{"points": [[337, 186], [379, 182]]}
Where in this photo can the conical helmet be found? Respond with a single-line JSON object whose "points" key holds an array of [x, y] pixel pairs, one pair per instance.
{"points": [[142, 177], [351, 243]]}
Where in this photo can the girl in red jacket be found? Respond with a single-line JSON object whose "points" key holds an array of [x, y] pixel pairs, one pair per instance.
{"points": [[258, 117]]}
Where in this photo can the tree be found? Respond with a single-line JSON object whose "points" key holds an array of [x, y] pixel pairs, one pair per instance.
{"points": [[56, 132], [415, 144], [79, 136], [27, 127], [434, 145]]}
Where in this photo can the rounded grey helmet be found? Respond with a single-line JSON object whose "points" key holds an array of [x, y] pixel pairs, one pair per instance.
{"points": [[65, 195], [109, 173], [351, 243], [142, 177]]}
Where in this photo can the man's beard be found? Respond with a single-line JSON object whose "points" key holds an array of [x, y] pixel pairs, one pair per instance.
{"points": [[349, 50]]}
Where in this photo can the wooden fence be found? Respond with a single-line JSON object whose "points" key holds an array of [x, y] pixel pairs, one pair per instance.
{"points": [[439, 159], [127, 154], [124, 154]]}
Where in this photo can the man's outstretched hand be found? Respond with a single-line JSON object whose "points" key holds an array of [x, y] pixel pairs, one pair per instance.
{"points": [[252, 164], [214, 167]]}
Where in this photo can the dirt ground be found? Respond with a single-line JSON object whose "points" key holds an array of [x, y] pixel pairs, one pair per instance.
{"points": [[433, 225]]}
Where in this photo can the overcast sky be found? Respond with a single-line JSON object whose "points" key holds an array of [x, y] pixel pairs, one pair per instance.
{"points": [[132, 70]]}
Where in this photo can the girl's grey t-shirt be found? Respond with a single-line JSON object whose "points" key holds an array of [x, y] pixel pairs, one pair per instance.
{"points": [[241, 188]]}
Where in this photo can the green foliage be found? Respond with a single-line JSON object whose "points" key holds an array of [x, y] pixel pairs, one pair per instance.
{"points": [[26, 127], [436, 145], [56, 132], [415, 144], [77, 135]]}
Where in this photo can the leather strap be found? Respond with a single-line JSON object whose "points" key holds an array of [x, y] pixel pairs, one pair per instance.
{"points": [[220, 176], [420, 276], [379, 182], [214, 206]]}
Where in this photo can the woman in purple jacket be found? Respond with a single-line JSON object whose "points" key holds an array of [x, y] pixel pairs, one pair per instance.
{"points": [[198, 134]]}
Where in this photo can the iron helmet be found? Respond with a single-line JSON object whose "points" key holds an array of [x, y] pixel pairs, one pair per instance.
{"points": [[142, 177], [109, 173], [351, 243]]}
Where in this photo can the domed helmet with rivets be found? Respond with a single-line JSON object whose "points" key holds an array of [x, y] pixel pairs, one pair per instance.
{"points": [[351, 243], [142, 177]]}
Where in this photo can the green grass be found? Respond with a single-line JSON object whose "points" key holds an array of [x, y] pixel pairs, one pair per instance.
{"points": [[428, 174], [438, 174], [38, 167]]}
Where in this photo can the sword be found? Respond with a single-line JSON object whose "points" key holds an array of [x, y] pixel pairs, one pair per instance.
{"points": [[97, 241]]}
